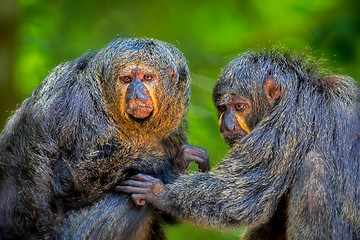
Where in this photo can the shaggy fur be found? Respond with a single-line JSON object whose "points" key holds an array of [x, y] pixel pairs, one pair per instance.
{"points": [[68, 145], [296, 175]]}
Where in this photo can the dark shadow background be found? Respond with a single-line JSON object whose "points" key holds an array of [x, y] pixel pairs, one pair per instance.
{"points": [[37, 35]]}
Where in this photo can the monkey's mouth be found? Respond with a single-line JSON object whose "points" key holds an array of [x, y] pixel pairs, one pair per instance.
{"points": [[232, 138], [139, 111]]}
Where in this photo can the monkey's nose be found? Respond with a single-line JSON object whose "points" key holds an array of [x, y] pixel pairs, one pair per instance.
{"points": [[137, 91], [140, 95], [229, 123]]}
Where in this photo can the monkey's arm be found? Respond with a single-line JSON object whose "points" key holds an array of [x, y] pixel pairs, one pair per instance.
{"points": [[202, 199], [219, 199]]}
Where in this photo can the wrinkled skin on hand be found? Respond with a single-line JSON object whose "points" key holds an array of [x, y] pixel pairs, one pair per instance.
{"points": [[188, 154], [144, 188]]}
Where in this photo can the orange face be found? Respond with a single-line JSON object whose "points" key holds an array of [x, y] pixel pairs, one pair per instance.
{"points": [[232, 112], [138, 82]]}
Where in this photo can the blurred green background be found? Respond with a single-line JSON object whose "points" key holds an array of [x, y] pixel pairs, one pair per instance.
{"points": [[37, 35]]}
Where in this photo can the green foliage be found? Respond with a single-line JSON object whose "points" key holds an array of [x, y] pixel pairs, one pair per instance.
{"points": [[209, 33], [186, 231]]}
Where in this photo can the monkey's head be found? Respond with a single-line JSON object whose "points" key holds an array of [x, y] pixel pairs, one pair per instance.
{"points": [[146, 85], [246, 91]]}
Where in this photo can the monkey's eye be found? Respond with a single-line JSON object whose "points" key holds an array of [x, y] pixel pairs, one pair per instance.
{"points": [[148, 77], [240, 106], [221, 108], [126, 79]]}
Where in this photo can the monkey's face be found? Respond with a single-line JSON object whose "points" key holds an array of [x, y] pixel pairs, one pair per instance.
{"points": [[146, 87], [233, 113], [138, 83], [138, 87], [143, 100]]}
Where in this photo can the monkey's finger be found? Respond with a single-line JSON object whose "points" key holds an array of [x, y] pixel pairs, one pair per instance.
{"points": [[138, 199], [196, 151], [184, 146], [135, 183], [202, 154], [144, 177], [201, 158], [131, 189], [204, 165], [189, 159], [195, 148]]}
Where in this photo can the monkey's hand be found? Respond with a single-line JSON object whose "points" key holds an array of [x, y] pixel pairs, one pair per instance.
{"points": [[188, 154], [144, 189]]}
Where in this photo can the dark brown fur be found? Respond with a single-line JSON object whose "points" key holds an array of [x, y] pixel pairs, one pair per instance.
{"points": [[70, 143]]}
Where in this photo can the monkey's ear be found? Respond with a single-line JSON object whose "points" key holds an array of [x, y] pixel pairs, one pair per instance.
{"points": [[272, 90], [173, 74]]}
